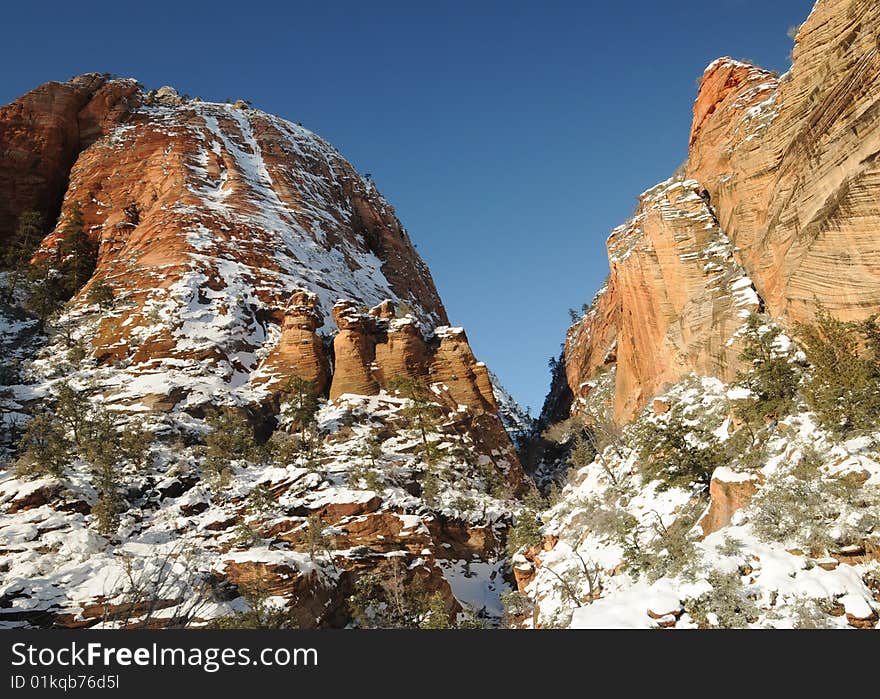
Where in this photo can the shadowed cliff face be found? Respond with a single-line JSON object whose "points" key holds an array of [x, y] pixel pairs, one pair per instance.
{"points": [[776, 210], [43, 133]]}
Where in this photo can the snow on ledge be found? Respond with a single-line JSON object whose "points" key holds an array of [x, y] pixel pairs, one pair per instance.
{"points": [[725, 474], [448, 331]]}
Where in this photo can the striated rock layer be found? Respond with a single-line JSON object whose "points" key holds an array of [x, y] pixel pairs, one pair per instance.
{"points": [[300, 350], [791, 165], [228, 236], [777, 210]]}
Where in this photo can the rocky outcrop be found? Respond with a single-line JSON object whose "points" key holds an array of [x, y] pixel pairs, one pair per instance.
{"points": [[775, 211], [405, 352], [729, 492], [300, 350], [228, 237], [374, 347], [209, 218], [672, 305], [354, 349], [466, 380], [42, 134]]}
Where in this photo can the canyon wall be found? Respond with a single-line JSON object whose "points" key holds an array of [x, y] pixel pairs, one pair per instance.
{"points": [[775, 210]]}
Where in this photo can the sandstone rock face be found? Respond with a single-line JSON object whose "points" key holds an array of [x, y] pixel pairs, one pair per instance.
{"points": [[673, 302], [404, 353], [594, 339], [43, 132], [355, 351], [791, 165], [212, 222], [455, 366], [682, 294], [777, 209]]}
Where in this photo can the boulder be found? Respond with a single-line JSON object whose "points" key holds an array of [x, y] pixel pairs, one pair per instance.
{"points": [[729, 491]]}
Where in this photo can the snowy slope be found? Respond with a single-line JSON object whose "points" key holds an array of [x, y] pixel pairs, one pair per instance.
{"points": [[589, 576]]}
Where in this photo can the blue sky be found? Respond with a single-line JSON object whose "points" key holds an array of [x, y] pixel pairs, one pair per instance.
{"points": [[510, 136]]}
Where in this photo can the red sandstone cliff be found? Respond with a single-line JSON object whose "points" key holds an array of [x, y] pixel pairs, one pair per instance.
{"points": [[230, 238], [43, 133], [242, 250]]}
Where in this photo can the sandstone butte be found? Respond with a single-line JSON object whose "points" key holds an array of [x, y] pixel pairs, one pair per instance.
{"points": [[775, 210], [234, 239], [244, 250]]}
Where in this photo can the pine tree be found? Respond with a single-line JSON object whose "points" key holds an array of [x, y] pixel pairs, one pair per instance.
{"points": [[436, 615], [100, 444], [260, 500], [677, 450], [261, 613], [843, 386], [21, 248], [110, 503], [772, 379], [77, 253], [72, 410], [303, 404], [391, 600], [371, 449], [316, 542], [101, 293], [420, 411], [582, 452], [46, 292], [231, 437], [46, 450], [526, 532], [74, 428]]}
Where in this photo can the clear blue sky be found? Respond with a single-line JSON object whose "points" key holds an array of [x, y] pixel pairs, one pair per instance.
{"points": [[510, 136]]}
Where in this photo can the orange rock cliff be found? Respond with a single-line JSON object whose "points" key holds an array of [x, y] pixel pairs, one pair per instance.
{"points": [[775, 211], [239, 244]]}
